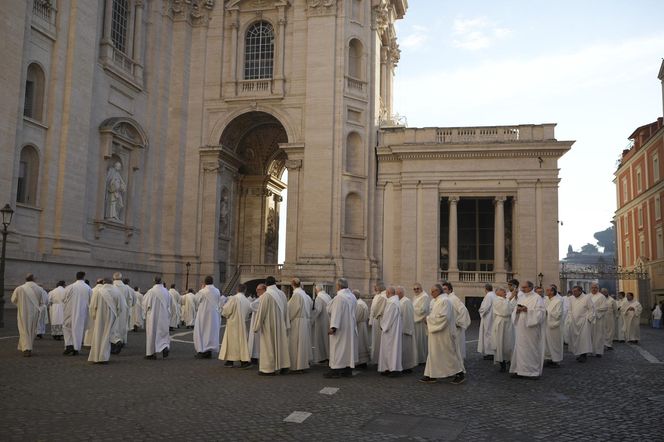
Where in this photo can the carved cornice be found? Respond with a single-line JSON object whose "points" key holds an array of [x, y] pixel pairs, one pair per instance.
{"points": [[195, 12], [321, 7], [387, 155]]}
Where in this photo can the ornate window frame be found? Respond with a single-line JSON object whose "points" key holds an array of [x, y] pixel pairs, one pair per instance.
{"points": [[124, 61]]}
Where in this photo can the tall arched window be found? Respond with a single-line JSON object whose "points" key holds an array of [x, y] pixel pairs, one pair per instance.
{"points": [[354, 163], [355, 50], [120, 24], [353, 216], [28, 172], [33, 103], [259, 51]]}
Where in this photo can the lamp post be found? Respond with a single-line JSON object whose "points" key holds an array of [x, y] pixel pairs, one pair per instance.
{"points": [[540, 278], [7, 214], [186, 284]]}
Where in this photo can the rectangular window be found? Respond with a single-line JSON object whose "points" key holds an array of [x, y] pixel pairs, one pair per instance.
{"points": [[120, 24], [660, 244], [642, 246], [628, 253], [640, 217], [655, 168], [658, 207], [638, 179], [624, 190]]}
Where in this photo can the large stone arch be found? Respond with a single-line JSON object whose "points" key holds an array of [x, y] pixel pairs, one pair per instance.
{"points": [[222, 124]]}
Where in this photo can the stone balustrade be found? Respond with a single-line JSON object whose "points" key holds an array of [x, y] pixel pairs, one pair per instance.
{"points": [[462, 135]]}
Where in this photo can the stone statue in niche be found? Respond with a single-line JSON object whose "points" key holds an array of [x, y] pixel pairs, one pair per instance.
{"points": [[224, 212], [116, 187], [271, 236]]}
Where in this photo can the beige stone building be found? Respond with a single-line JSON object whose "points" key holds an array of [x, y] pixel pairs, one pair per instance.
{"points": [[143, 135]]}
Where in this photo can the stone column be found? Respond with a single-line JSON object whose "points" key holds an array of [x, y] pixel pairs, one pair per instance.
{"points": [[234, 49], [278, 74], [453, 270], [295, 152], [106, 42], [499, 240]]}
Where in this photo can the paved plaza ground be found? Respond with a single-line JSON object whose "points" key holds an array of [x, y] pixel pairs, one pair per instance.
{"points": [[52, 397]]}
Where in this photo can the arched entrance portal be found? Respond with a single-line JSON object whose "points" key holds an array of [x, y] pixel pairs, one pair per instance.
{"points": [[250, 209]]}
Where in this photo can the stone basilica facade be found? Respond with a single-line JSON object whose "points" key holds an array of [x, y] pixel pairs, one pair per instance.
{"points": [[142, 135]]}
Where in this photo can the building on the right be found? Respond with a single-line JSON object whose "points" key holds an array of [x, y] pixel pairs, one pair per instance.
{"points": [[639, 183]]}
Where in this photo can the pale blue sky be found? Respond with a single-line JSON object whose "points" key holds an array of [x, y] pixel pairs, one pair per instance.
{"points": [[590, 66]]}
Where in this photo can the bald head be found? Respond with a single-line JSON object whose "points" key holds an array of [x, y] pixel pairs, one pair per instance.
{"points": [[400, 292]]}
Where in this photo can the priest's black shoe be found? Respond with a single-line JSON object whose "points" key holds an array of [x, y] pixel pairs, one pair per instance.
{"points": [[347, 372], [394, 374], [165, 352], [228, 364], [503, 367], [262, 373], [151, 357], [69, 350], [284, 371], [488, 358]]}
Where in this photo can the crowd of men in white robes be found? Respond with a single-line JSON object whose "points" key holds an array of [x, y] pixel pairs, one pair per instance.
{"points": [[521, 326]]}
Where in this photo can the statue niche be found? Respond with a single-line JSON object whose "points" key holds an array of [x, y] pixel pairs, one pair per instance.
{"points": [[116, 188]]}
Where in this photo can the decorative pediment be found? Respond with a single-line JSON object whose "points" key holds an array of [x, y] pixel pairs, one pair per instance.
{"points": [[126, 129]]}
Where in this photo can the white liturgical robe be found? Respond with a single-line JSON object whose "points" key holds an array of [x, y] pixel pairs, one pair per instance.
{"points": [[175, 308], [462, 322], [103, 319], [43, 313], [581, 317], [343, 342], [391, 339], [631, 313], [377, 307], [157, 305], [234, 346], [620, 320], [189, 307], [610, 321], [598, 328], [503, 329], [408, 348], [27, 298], [254, 338], [56, 298], [125, 313], [299, 338], [421, 304], [443, 359], [363, 342], [271, 323], [206, 326], [137, 315], [484, 341], [528, 355], [321, 324], [75, 315], [554, 328], [566, 318]]}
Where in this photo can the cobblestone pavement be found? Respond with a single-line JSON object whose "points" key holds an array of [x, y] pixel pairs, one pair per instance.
{"points": [[52, 397]]}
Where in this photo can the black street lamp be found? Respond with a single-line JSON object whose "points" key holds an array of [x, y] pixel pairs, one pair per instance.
{"points": [[7, 214], [540, 278], [186, 284]]}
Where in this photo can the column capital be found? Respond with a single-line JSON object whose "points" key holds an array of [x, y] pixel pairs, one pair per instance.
{"points": [[453, 199], [293, 165], [500, 199]]}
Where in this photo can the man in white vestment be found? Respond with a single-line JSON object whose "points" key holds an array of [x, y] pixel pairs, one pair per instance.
{"points": [[189, 308], [28, 299], [376, 311], [43, 315], [553, 353], [408, 347], [321, 325], [631, 313], [443, 359], [389, 361], [619, 335], [175, 308], [273, 322], [484, 343], [56, 298], [581, 318], [157, 308], [75, 314], [343, 332], [566, 317], [502, 333], [87, 336], [363, 341], [234, 346], [462, 317], [609, 320], [104, 316], [300, 306], [137, 315], [255, 338], [126, 304], [528, 319], [598, 327], [421, 301], [206, 325]]}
